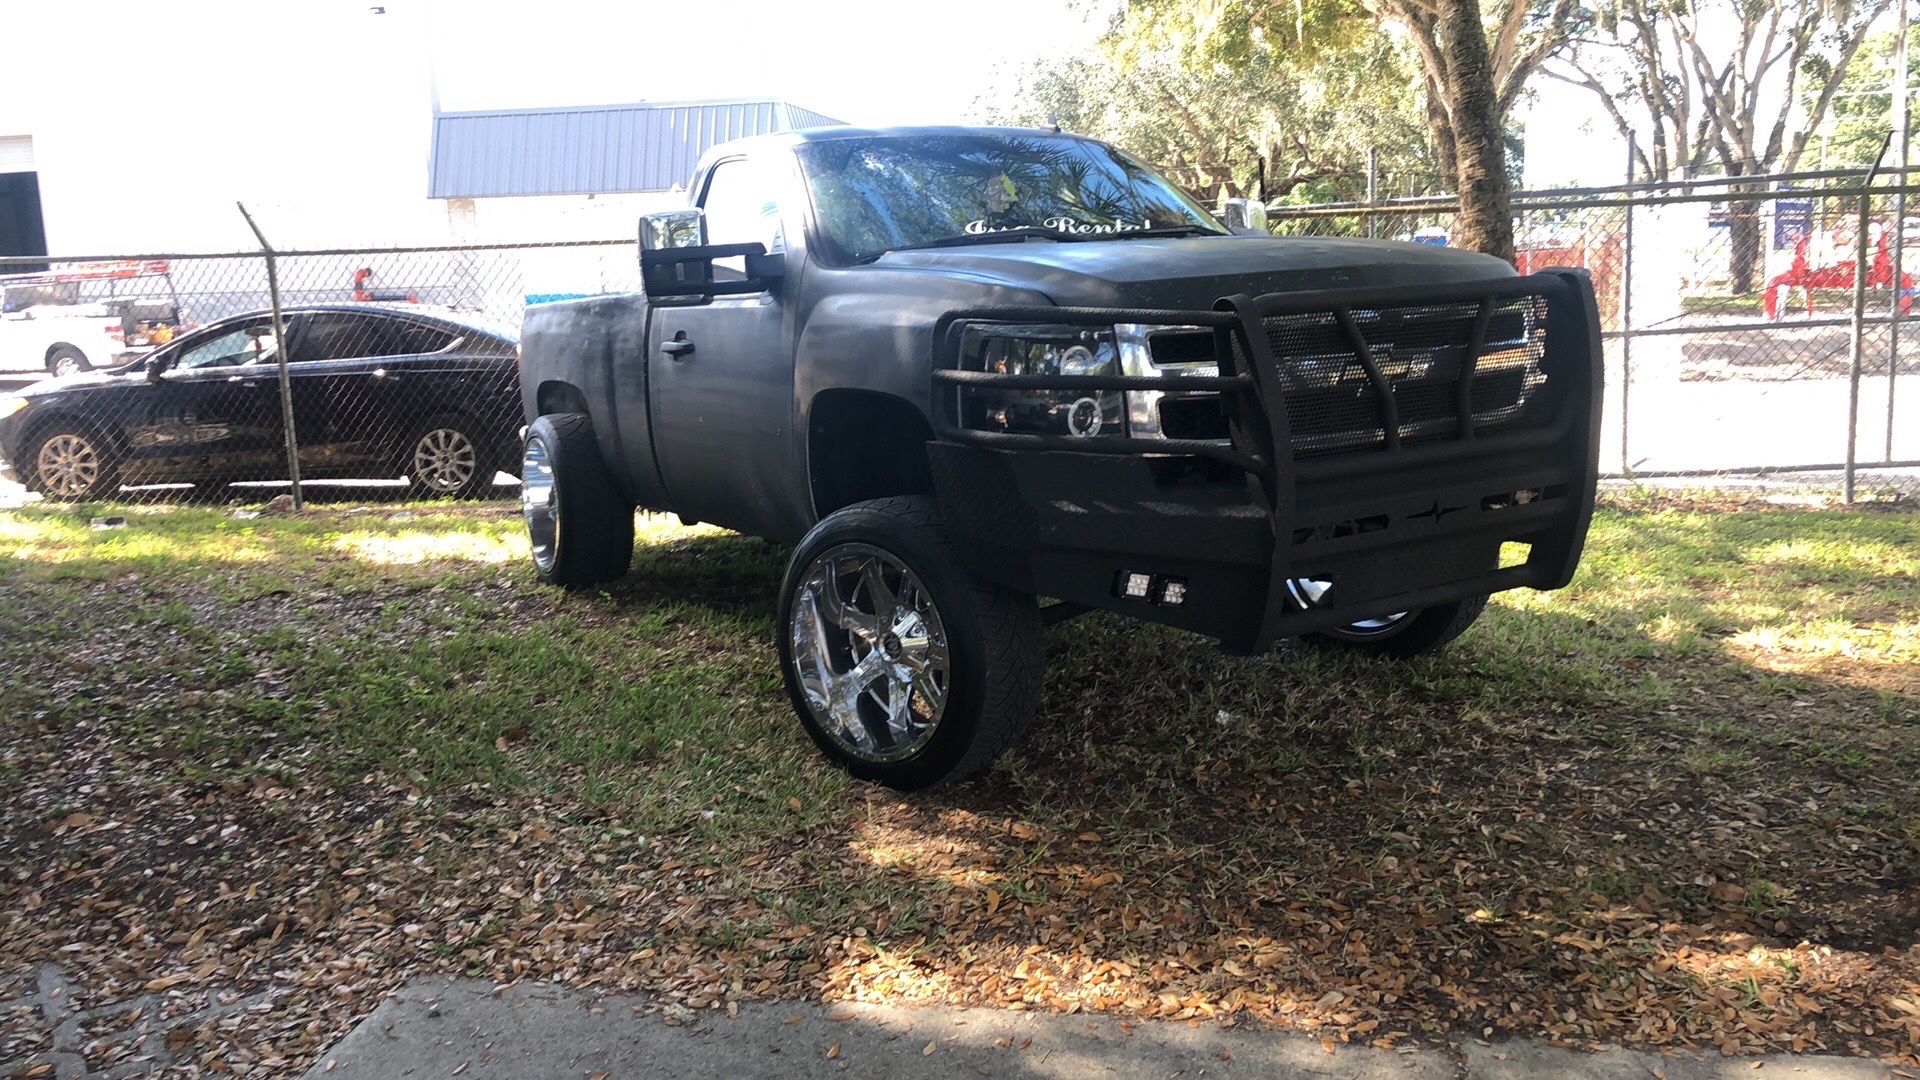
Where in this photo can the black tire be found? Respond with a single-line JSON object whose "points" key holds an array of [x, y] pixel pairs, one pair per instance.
{"points": [[105, 482], [591, 539], [450, 457], [992, 638], [67, 355], [1420, 632]]}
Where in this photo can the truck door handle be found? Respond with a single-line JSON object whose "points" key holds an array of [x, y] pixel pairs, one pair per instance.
{"points": [[678, 348]]}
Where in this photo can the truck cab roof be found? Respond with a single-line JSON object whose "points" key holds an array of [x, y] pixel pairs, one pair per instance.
{"points": [[788, 139]]}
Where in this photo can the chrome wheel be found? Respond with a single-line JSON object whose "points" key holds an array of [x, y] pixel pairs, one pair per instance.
{"points": [[67, 364], [444, 460], [69, 465], [870, 652], [537, 504], [1372, 629]]}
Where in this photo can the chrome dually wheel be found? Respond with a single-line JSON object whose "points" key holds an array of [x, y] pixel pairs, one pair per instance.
{"points": [[1404, 633], [1372, 629], [870, 652], [579, 526], [537, 504], [904, 667]]}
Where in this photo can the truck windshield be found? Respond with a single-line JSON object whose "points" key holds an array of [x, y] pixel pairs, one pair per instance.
{"points": [[879, 194]]}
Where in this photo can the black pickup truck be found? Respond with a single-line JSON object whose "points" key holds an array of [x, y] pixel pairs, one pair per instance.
{"points": [[959, 369]]}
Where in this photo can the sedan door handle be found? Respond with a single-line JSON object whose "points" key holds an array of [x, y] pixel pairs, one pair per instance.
{"points": [[678, 348]]}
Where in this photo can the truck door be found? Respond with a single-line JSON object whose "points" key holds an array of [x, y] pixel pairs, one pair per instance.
{"points": [[721, 395]]}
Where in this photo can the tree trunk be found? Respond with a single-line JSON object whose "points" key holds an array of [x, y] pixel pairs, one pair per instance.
{"points": [[1445, 153], [1743, 240], [1480, 156]]}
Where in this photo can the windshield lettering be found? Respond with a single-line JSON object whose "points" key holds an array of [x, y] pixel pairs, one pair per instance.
{"points": [[979, 226]]}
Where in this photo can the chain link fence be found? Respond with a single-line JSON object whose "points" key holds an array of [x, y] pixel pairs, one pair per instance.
{"points": [[1732, 343], [181, 378]]}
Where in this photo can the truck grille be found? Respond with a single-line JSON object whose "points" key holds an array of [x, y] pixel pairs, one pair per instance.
{"points": [[1332, 406]]}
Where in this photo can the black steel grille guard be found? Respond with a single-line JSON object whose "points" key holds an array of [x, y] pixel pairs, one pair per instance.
{"points": [[1260, 440], [1258, 435]]}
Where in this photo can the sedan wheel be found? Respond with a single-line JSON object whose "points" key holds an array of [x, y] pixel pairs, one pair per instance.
{"points": [[870, 652], [69, 466], [445, 461]]}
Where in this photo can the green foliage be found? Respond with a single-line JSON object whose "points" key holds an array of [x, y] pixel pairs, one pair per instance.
{"points": [[1230, 105], [1862, 109]]}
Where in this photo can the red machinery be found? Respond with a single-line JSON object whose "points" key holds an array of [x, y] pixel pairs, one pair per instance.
{"points": [[364, 292], [1836, 271]]}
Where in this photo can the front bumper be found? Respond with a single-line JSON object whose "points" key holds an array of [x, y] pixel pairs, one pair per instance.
{"points": [[10, 432], [1264, 543]]}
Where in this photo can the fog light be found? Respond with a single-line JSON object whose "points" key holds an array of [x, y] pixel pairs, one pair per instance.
{"points": [[1083, 418], [1135, 586], [1173, 593]]}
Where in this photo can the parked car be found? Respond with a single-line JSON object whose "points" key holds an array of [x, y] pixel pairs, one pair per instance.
{"points": [[93, 315], [377, 393], [961, 368]]}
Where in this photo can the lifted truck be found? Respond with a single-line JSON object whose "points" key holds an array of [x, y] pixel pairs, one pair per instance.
{"points": [[959, 369]]}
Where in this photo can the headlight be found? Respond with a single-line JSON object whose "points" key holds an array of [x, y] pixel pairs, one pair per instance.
{"points": [[11, 404], [1043, 350]]}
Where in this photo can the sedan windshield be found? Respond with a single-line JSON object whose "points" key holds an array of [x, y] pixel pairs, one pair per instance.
{"points": [[874, 195]]}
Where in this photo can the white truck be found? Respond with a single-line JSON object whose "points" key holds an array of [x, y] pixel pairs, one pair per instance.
{"points": [[98, 315]]}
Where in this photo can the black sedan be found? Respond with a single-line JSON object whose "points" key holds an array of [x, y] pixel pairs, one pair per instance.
{"points": [[378, 393]]}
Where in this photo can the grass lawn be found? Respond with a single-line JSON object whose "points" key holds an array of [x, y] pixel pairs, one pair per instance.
{"points": [[1674, 804]]}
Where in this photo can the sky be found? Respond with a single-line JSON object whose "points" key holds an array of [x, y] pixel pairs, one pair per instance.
{"points": [[863, 61], [241, 84]]}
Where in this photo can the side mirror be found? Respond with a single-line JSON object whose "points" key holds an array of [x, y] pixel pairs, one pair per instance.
{"points": [[1245, 216], [673, 229], [156, 363], [676, 262]]}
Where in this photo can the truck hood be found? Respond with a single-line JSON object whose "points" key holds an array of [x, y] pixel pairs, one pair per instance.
{"points": [[1193, 272]]}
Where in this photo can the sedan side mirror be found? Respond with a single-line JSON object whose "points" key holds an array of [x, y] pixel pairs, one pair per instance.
{"points": [[156, 363]]}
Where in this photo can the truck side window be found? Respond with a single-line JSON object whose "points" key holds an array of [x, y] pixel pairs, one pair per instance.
{"points": [[740, 209]]}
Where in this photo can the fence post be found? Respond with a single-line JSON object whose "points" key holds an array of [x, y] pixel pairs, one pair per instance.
{"points": [[280, 356], [1860, 268], [1899, 222], [1373, 188], [1626, 322]]}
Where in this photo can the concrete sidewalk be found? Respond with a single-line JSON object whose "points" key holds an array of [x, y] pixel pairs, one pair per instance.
{"points": [[462, 1027]]}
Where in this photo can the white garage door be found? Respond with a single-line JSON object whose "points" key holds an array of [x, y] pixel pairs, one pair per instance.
{"points": [[16, 153]]}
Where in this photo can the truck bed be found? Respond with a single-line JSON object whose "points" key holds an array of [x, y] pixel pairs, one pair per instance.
{"points": [[591, 356]]}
